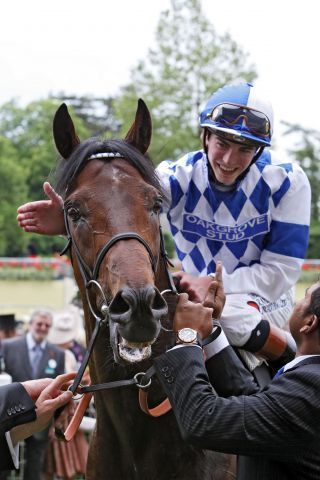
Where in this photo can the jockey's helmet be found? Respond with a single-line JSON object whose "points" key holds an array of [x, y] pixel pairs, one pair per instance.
{"points": [[239, 114]]}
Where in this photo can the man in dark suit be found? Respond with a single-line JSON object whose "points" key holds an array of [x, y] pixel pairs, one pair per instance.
{"points": [[31, 356], [26, 408], [277, 428]]}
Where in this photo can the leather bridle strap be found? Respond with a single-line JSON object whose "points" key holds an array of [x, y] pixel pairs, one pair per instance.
{"points": [[76, 382], [75, 422], [116, 238], [161, 409]]}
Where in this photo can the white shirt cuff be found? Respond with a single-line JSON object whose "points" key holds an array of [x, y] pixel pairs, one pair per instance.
{"points": [[13, 450], [185, 345], [216, 345]]}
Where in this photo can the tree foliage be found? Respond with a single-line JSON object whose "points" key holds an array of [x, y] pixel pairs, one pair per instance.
{"points": [[187, 64], [306, 152], [96, 113], [27, 158], [12, 193]]}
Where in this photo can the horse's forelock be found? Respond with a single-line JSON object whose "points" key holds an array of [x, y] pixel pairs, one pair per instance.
{"points": [[67, 170]]}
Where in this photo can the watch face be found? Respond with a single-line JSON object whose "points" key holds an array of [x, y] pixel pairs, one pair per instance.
{"points": [[187, 335]]}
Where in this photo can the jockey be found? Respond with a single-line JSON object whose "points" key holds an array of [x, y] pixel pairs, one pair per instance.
{"points": [[234, 202]]}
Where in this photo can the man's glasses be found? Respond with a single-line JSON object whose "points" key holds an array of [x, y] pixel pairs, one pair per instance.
{"points": [[230, 114]]}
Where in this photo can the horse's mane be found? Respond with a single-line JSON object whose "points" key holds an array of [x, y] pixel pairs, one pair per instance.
{"points": [[68, 169]]}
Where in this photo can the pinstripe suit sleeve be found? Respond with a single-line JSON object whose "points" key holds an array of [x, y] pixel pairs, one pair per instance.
{"points": [[16, 407], [276, 422]]}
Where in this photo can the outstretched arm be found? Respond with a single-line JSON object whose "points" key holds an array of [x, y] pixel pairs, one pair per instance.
{"points": [[44, 216]]}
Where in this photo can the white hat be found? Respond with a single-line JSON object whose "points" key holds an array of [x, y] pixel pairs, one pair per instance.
{"points": [[67, 325]]}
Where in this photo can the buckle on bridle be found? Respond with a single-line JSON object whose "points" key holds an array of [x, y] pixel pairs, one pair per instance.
{"points": [[138, 377]]}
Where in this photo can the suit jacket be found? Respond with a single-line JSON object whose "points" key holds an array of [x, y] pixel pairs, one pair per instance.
{"points": [[17, 363], [16, 408], [279, 425]]}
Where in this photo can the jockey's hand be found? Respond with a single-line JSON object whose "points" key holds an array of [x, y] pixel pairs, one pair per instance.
{"points": [[195, 287], [44, 216], [216, 297], [193, 315]]}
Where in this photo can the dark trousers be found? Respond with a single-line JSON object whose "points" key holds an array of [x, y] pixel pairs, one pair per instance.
{"points": [[35, 449]]}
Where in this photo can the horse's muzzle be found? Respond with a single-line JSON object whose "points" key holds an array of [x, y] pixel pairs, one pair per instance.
{"points": [[138, 313]]}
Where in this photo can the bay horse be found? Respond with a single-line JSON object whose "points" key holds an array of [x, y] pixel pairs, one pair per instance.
{"points": [[112, 200]]}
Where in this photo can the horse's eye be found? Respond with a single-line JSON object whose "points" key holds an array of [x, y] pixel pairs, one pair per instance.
{"points": [[157, 205], [74, 214]]}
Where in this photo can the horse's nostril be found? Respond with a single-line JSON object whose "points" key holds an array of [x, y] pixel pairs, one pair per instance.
{"points": [[119, 305], [158, 302]]}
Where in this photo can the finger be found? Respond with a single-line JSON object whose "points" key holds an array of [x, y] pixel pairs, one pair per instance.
{"points": [[209, 300], [183, 299], [30, 228], [218, 273], [58, 383], [60, 400], [27, 207], [25, 216], [51, 193], [23, 222]]}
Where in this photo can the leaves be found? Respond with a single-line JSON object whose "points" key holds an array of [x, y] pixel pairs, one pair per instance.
{"points": [[187, 64]]}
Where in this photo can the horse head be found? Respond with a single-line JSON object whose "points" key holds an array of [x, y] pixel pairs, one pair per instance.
{"points": [[112, 200]]}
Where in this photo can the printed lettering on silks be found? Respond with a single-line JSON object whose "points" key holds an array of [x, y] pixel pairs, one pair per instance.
{"points": [[254, 222], [224, 233]]}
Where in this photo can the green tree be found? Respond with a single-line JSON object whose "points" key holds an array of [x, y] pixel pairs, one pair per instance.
{"points": [[306, 152], [28, 134], [13, 192], [189, 62], [96, 113]]}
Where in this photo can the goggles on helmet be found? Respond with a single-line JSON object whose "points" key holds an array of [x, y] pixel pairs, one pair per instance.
{"points": [[231, 114]]}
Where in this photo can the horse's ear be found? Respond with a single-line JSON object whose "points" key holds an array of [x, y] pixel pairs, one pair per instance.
{"points": [[140, 132], [64, 133]]}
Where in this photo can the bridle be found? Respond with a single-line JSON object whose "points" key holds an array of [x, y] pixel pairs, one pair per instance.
{"points": [[90, 279]]}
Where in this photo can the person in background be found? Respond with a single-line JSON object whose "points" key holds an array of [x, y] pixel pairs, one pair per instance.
{"points": [[232, 201], [31, 356], [68, 333], [67, 459], [8, 325]]}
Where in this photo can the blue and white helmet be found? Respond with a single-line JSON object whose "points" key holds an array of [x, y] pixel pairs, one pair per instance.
{"points": [[240, 114]]}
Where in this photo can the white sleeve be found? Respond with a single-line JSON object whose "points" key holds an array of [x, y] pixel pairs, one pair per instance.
{"points": [[284, 253], [14, 451]]}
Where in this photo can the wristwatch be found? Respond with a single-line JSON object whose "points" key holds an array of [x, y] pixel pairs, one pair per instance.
{"points": [[187, 336]]}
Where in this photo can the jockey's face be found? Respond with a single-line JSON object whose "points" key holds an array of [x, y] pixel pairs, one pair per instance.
{"points": [[228, 159]]}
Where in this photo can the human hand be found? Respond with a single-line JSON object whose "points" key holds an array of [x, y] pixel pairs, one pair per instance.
{"points": [[35, 387], [43, 216], [50, 399], [195, 287], [215, 297], [193, 315]]}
